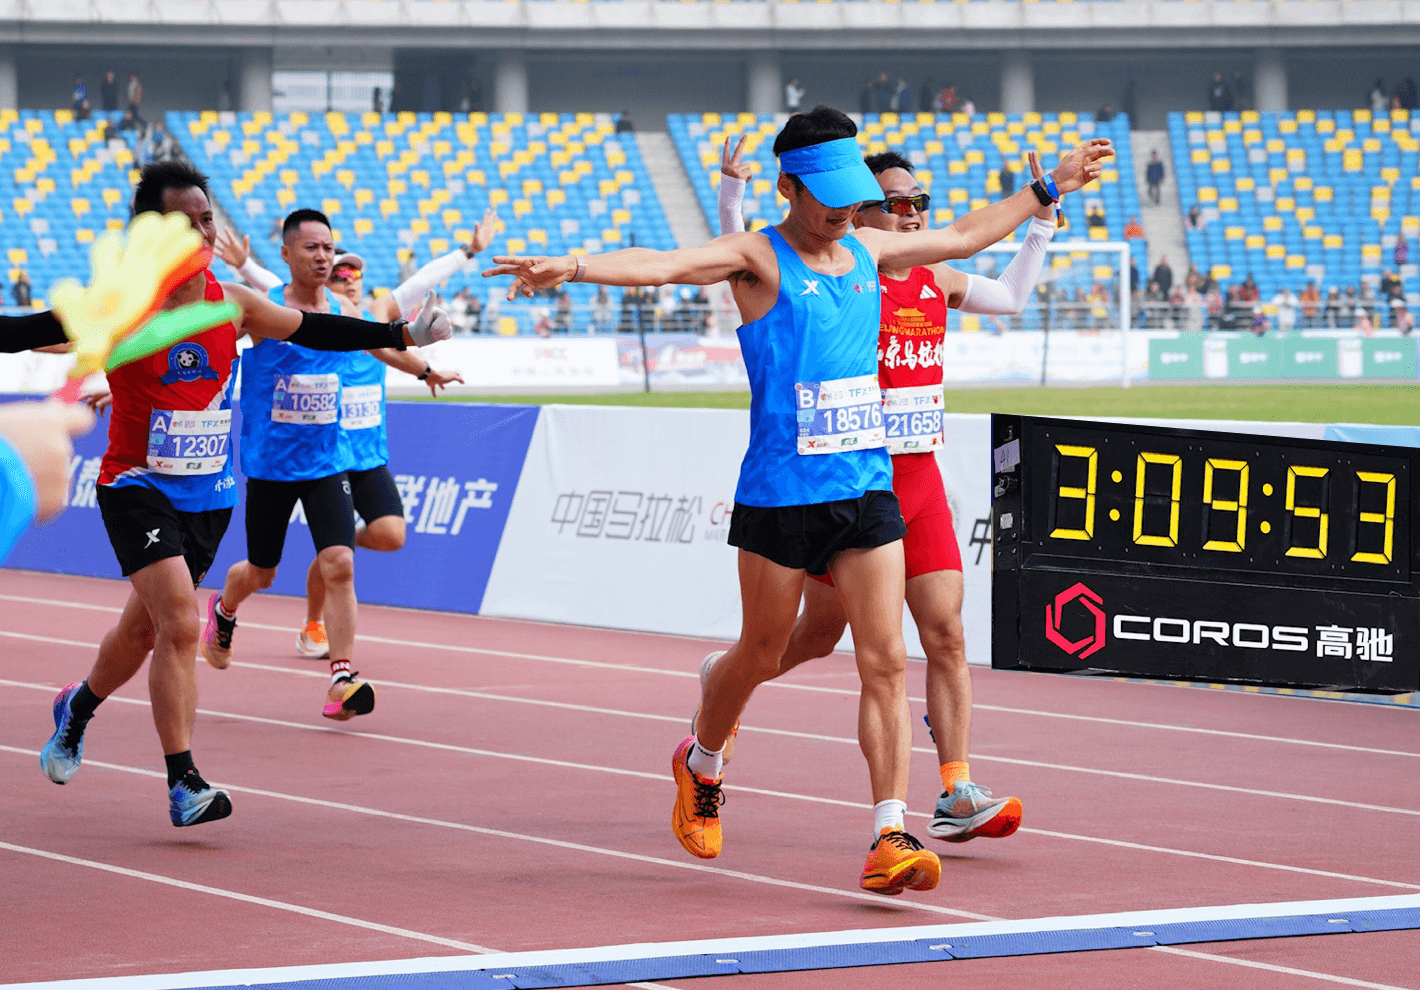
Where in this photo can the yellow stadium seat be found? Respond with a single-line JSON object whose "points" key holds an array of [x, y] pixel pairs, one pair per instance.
{"points": [[1099, 234], [419, 225], [285, 197], [532, 187], [438, 246], [507, 326], [522, 207], [1255, 241], [1221, 271], [18, 256], [1227, 204], [538, 237], [1332, 241], [1235, 233], [1272, 223], [363, 226], [516, 245], [363, 198], [620, 217], [556, 197], [1246, 183], [497, 197], [345, 177], [330, 206], [79, 205], [113, 223], [1284, 204], [23, 206], [452, 218], [388, 207], [84, 235], [420, 176]]}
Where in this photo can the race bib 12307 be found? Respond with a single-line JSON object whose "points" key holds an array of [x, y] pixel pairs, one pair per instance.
{"points": [[188, 441]]}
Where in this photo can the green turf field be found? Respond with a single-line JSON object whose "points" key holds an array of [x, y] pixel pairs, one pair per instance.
{"points": [[1391, 404]]}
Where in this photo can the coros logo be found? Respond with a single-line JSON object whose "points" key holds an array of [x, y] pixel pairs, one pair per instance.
{"points": [[1308, 357], [1092, 602], [1252, 357], [1172, 357], [1386, 357]]}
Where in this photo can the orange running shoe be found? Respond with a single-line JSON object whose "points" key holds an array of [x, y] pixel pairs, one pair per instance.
{"points": [[897, 862], [348, 698], [695, 819], [311, 641], [705, 666]]}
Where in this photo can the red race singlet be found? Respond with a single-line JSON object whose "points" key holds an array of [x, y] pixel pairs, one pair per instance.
{"points": [[914, 323]]}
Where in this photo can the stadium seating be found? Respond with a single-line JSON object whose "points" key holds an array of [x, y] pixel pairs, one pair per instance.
{"points": [[419, 182], [957, 158], [1308, 194], [61, 184]]}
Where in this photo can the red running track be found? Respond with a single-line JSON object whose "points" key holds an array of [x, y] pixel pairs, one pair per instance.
{"points": [[512, 791]]}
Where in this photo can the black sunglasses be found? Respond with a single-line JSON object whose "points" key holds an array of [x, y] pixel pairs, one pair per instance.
{"points": [[901, 205]]}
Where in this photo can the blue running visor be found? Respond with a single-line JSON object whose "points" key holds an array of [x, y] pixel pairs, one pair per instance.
{"points": [[834, 172]]}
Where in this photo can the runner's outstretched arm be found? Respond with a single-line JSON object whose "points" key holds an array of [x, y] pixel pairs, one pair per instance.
{"points": [[241, 261], [332, 332], [984, 227], [409, 294], [705, 265], [25, 333], [734, 174]]}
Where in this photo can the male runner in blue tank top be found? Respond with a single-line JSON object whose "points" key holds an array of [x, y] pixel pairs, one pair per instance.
{"points": [[293, 449], [815, 489]]}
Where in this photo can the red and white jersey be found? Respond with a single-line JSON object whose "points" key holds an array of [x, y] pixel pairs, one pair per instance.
{"points": [[170, 427], [914, 325]]}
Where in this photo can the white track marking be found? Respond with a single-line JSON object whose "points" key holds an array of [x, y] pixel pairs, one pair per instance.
{"points": [[247, 898], [856, 895], [761, 730], [763, 792], [785, 685], [1345, 981]]}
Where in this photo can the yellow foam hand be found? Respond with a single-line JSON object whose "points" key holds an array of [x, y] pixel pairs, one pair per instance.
{"points": [[130, 276]]}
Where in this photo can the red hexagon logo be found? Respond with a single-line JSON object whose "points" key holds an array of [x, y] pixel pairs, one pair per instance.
{"points": [[1092, 602]]}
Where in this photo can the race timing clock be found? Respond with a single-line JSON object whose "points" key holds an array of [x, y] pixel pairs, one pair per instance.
{"points": [[1204, 556]]}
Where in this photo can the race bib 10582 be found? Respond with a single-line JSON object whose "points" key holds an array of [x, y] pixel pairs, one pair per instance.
{"points": [[839, 415], [187, 441], [914, 418], [361, 406], [309, 400]]}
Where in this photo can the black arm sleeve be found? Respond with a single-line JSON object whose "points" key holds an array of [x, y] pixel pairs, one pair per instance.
{"points": [[23, 333], [333, 332]]}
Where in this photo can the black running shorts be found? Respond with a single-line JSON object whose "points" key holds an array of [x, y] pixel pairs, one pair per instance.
{"points": [[808, 536], [375, 494], [144, 528], [329, 512]]}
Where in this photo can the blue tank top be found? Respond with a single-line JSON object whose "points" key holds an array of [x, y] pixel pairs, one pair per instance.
{"points": [[291, 408], [362, 410], [815, 418]]}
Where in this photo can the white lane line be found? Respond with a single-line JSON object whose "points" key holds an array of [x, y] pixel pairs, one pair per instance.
{"points": [[785, 685], [812, 736], [246, 898], [856, 895], [1344, 981], [762, 792]]}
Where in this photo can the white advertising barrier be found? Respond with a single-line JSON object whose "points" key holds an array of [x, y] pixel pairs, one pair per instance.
{"points": [[1071, 355], [30, 371], [621, 517], [521, 362]]}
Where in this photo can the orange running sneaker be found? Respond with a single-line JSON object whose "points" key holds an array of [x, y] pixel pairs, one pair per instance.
{"points": [[897, 862], [695, 820], [705, 666], [311, 641], [348, 698]]}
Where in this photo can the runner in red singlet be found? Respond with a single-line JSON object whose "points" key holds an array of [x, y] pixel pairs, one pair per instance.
{"points": [[914, 319]]}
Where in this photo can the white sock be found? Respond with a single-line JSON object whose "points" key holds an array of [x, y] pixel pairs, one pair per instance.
{"points": [[706, 763], [889, 814]]}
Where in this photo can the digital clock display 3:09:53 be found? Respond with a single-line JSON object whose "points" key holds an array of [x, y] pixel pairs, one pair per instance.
{"points": [[1194, 501]]}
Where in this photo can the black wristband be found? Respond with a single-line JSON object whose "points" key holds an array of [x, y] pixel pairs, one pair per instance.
{"points": [[428, 369], [333, 332], [1038, 188], [23, 333]]}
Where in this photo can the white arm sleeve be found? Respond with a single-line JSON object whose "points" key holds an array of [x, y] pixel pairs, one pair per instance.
{"points": [[410, 294], [258, 277], [1008, 293], [732, 197]]}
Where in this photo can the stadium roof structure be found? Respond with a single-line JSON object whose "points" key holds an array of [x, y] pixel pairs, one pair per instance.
{"points": [[630, 24]]}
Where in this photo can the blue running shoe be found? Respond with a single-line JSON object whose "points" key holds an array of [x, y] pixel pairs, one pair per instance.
{"points": [[60, 757], [192, 802], [968, 811]]}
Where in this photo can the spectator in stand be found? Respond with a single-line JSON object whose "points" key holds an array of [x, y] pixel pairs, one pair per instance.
{"points": [[1409, 98], [20, 291], [601, 311], [1378, 100], [1133, 231], [964, 105], [135, 99], [883, 93], [377, 100], [865, 98], [1094, 215], [128, 123], [1163, 277], [1362, 321], [624, 124], [1106, 114], [85, 112], [1213, 303], [1366, 299], [1220, 96], [1401, 255], [1193, 307], [475, 312], [475, 95], [1405, 321], [630, 310], [1285, 303], [947, 100], [793, 96], [927, 96], [1311, 304], [1194, 220], [1248, 292], [80, 96], [1391, 286], [1154, 176], [108, 91], [562, 321], [1331, 311], [902, 97], [1007, 178], [1348, 306]]}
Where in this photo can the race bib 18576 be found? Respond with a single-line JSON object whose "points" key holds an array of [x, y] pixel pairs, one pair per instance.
{"points": [[843, 414], [361, 406], [310, 400], [188, 441], [914, 418]]}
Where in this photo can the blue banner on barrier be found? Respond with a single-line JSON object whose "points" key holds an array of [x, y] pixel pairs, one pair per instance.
{"points": [[456, 465]]}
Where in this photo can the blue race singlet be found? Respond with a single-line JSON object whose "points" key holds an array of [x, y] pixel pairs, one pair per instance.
{"points": [[815, 421], [362, 409], [291, 408]]}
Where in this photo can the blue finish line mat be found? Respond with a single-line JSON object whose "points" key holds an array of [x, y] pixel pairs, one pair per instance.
{"points": [[784, 953]]}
